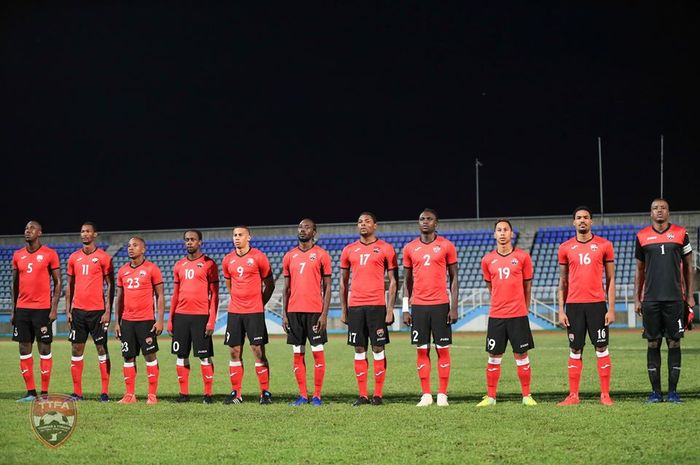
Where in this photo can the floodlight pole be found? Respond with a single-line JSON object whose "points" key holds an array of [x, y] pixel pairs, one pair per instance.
{"points": [[600, 170], [662, 167], [477, 164]]}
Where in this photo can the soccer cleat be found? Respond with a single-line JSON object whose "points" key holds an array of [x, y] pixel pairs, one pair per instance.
{"points": [[28, 398], [182, 398], [571, 399], [128, 399], [529, 401], [316, 401], [605, 399], [425, 400], [487, 402], [104, 397], [152, 399], [376, 400], [361, 400], [654, 398], [301, 400], [265, 398], [233, 399], [673, 397], [75, 396], [207, 400], [442, 400]]}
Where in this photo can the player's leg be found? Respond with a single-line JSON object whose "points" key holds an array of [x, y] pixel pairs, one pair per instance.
{"points": [[599, 333], [495, 347], [674, 329], [357, 337], [442, 337], [316, 339], [130, 349], [257, 336], [420, 337], [203, 348], [148, 342], [235, 333], [77, 337], [520, 337], [23, 333], [653, 326], [98, 331], [44, 337], [576, 332], [379, 338], [207, 368], [296, 337], [180, 346]]}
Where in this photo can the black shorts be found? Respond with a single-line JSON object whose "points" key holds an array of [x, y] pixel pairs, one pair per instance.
{"points": [[301, 328], [137, 338], [32, 324], [587, 318], [189, 332], [241, 324], [367, 322], [87, 322], [516, 330], [663, 319], [429, 319]]}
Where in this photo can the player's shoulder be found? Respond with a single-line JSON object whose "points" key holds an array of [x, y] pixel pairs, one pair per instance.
{"points": [[522, 253], [412, 244], [600, 240], [208, 260], [151, 265], [444, 240], [354, 244], [384, 244], [677, 229]]}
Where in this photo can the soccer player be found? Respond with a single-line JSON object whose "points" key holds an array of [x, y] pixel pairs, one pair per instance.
{"points": [[250, 282], [368, 313], [34, 306], [307, 295], [137, 283], [663, 286], [89, 272], [508, 275], [582, 260], [193, 310], [427, 261]]}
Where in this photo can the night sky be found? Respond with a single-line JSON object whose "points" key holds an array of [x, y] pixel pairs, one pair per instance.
{"points": [[157, 115]]}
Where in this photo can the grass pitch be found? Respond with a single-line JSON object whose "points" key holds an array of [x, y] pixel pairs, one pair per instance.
{"points": [[398, 432]]}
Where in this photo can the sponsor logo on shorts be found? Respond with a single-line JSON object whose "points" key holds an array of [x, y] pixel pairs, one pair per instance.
{"points": [[257, 338], [150, 347], [53, 418], [527, 344], [444, 339]]}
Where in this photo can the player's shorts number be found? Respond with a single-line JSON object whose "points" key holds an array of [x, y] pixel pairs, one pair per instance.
{"points": [[601, 333], [125, 346], [71, 336], [352, 337], [490, 343], [176, 346], [228, 335], [415, 336], [15, 332]]}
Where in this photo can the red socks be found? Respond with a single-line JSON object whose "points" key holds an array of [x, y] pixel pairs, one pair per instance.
{"points": [[130, 377], [379, 373], [604, 369], [76, 371], [235, 372], [105, 368], [183, 375], [444, 362], [524, 374], [423, 366], [575, 367], [361, 367], [319, 370], [207, 377], [300, 373], [26, 367], [493, 373], [263, 372], [152, 376], [45, 366]]}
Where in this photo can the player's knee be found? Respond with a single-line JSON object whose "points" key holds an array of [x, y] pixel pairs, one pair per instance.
{"points": [[77, 350], [377, 349], [101, 349], [576, 351], [150, 357], [601, 349], [44, 349], [653, 343], [25, 348], [673, 343], [361, 350]]}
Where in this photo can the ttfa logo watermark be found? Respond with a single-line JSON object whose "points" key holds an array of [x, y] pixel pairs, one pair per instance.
{"points": [[54, 418]]}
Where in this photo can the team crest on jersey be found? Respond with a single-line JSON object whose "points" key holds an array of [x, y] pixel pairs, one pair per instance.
{"points": [[249, 262], [376, 250], [594, 247], [436, 249], [380, 332], [670, 236], [39, 258], [142, 273], [53, 418], [312, 257], [514, 261], [95, 260]]}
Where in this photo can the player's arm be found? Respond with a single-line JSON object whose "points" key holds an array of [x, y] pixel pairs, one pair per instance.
{"points": [[173, 305], [160, 307], [610, 289], [688, 276], [638, 287], [406, 297], [285, 302], [14, 293], [326, 290], [563, 293], [70, 288], [343, 288], [109, 300], [527, 287], [391, 298], [118, 311], [454, 292], [268, 287], [57, 288]]}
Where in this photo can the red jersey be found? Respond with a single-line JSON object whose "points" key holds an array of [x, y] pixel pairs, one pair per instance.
{"points": [[138, 284], [368, 263], [507, 273], [246, 273], [192, 278], [586, 262], [429, 262], [88, 272], [34, 269], [305, 268]]}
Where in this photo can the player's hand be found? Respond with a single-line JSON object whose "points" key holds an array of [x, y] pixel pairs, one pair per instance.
{"points": [[407, 320], [170, 327], [609, 317], [52, 315], [452, 317], [344, 317], [117, 330], [157, 328], [321, 325], [207, 333], [389, 320], [638, 308], [691, 300], [106, 317], [69, 318], [563, 319], [285, 323]]}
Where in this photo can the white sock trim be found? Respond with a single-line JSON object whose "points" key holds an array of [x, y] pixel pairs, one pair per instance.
{"points": [[152, 364], [575, 356], [360, 355], [378, 355], [128, 364], [522, 361], [231, 363], [424, 346], [45, 357], [74, 358], [204, 362], [25, 357], [495, 361], [298, 349], [103, 358], [180, 362], [259, 364], [442, 347], [318, 348], [602, 354]]}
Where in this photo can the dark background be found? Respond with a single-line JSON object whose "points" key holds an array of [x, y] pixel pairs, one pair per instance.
{"points": [[155, 115]]}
